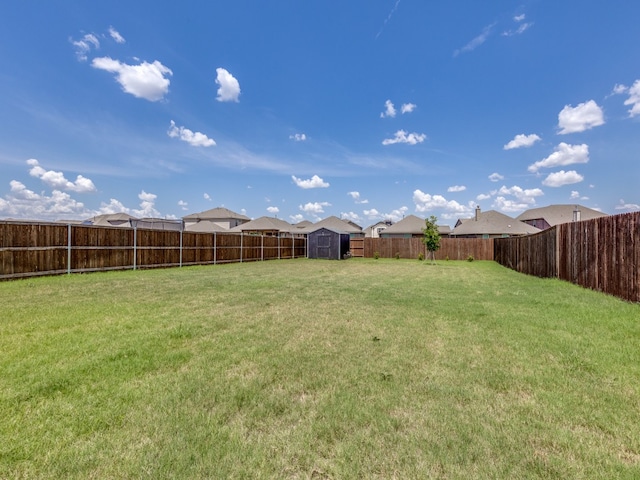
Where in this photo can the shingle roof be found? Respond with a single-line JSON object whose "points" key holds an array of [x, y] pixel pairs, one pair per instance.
{"points": [[557, 214], [412, 224], [264, 224], [204, 227], [493, 223], [333, 223], [216, 214]]}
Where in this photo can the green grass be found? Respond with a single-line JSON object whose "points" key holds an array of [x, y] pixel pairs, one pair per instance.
{"points": [[317, 369]]}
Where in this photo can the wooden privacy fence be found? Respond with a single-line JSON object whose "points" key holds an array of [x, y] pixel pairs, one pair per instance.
{"points": [[29, 249], [451, 248], [602, 254]]}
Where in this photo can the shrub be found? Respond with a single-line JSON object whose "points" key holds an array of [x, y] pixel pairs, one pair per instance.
{"points": [[421, 256], [470, 258], [447, 259], [397, 255], [376, 255]]}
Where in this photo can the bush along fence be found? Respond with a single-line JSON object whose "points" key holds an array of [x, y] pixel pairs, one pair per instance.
{"points": [[30, 249], [450, 248], [601, 254]]}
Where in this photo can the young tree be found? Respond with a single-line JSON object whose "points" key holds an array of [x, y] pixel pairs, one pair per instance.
{"points": [[431, 238]]}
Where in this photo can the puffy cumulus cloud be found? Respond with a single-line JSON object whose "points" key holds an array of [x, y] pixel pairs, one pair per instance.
{"points": [[580, 118], [57, 180], [84, 46], [634, 99], [229, 90], [626, 206], [389, 110], [195, 139], [315, 207], [206, 196], [425, 202], [496, 177], [21, 202], [297, 218], [147, 205], [273, 210], [298, 137], [522, 140], [558, 179], [408, 108], [351, 216], [563, 155], [395, 215], [356, 197], [116, 35], [575, 195], [526, 196], [403, 137], [114, 206], [147, 80], [483, 196], [509, 206], [313, 182], [456, 188], [183, 205]]}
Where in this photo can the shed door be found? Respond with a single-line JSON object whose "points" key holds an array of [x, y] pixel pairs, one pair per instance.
{"points": [[324, 246]]}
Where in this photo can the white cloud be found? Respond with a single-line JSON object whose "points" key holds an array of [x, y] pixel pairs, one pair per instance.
{"points": [[563, 155], [407, 108], [627, 206], [273, 210], [509, 206], [313, 182], [147, 80], [634, 99], [315, 207], [24, 203], [476, 42], [496, 177], [395, 215], [526, 196], [57, 180], [522, 140], [114, 206], [558, 179], [619, 89], [229, 90], [196, 139], [425, 202], [147, 205], [456, 188], [297, 218], [519, 18], [575, 195], [116, 35], [389, 110], [298, 137], [206, 196], [483, 196], [356, 197], [580, 118], [84, 46], [350, 216], [402, 137]]}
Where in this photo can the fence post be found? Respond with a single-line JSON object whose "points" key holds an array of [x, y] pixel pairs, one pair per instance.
{"points": [[69, 249], [180, 248], [241, 238], [135, 244], [262, 248], [215, 248]]}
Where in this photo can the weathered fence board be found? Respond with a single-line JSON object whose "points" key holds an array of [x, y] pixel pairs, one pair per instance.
{"points": [[450, 248]]}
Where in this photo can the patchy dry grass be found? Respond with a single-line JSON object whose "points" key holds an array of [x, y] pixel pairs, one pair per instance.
{"points": [[317, 369]]}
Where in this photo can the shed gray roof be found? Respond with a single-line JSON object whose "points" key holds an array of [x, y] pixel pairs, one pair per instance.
{"points": [[493, 223], [557, 214], [335, 224], [411, 224], [218, 213]]}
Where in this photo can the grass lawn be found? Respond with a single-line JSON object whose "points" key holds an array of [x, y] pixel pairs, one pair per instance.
{"points": [[317, 369]]}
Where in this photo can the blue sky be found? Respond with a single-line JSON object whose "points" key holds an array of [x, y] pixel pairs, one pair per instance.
{"points": [[366, 110]]}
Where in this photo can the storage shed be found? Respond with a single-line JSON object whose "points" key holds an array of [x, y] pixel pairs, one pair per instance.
{"points": [[327, 244]]}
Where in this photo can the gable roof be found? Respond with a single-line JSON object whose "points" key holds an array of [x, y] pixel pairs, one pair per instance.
{"points": [[216, 214], [335, 224], [557, 214], [411, 224], [264, 224], [112, 220], [493, 223]]}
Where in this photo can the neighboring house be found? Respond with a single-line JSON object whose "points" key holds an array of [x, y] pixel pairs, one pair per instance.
{"points": [[157, 224], [269, 226], [214, 220], [337, 225], [374, 231], [412, 226], [546, 217], [491, 224], [111, 220]]}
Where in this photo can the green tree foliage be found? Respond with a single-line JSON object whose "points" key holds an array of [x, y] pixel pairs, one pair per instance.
{"points": [[431, 236]]}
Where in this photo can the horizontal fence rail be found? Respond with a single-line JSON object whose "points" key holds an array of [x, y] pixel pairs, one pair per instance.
{"points": [[28, 249], [450, 248], [601, 254]]}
